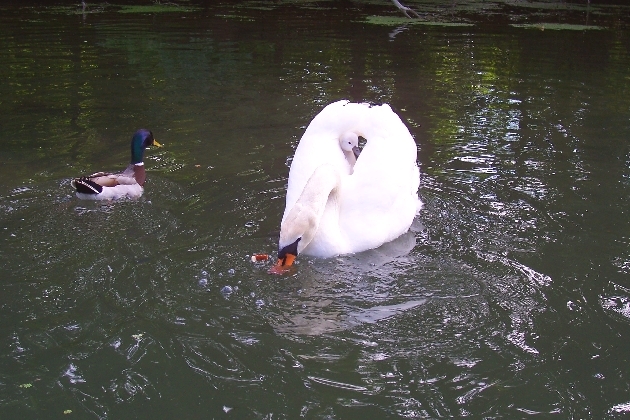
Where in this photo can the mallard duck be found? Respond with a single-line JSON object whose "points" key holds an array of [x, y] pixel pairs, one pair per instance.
{"points": [[128, 183], [338, 203]]}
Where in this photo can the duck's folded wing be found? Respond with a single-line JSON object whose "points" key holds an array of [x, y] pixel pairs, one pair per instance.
{"points": [[93, 184], [105, 179], [126, 180], [85, 185]]}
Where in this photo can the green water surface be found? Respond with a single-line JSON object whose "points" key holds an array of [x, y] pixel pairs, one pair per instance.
{"points": [[508, 298]]}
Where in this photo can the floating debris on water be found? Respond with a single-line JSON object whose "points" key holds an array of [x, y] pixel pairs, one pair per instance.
{"points": [[259, 257]]}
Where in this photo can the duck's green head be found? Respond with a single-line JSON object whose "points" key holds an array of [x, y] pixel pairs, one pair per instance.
{"points": [[140, 141]]}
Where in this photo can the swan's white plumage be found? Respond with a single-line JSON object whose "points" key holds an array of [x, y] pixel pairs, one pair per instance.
{"points": [[373, 202]]}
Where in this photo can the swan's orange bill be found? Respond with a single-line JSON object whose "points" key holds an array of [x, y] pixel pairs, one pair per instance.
{"points": [[283, 266], [281, 270], [288, 260]]}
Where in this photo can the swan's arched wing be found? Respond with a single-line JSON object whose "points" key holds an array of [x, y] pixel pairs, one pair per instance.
{"points": [[379, 200]]}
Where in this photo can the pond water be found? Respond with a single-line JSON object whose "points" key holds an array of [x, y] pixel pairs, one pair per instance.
{"points": [[509, 297]]}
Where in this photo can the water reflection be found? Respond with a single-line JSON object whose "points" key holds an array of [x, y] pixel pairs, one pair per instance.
{"points": [[365, 282]]}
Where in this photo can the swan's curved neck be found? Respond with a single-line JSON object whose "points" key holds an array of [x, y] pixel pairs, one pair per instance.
{"points": [[319, 186], [350, 157], [303, 218]]}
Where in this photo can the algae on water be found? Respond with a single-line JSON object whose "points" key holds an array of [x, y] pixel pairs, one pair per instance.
{"points": [[155, 8], [396, 20], [556, 26]]}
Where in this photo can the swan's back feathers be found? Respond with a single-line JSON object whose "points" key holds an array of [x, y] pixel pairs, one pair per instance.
{"points": [[378, 124]]}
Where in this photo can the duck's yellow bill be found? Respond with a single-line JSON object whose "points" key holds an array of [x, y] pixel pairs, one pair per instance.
{"points": [[155, 143]]}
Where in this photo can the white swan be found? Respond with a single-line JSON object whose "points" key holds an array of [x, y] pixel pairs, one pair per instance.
{"points": [[339, 204]]}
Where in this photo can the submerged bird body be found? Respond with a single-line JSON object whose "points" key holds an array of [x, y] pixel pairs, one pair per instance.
{"points": [[128, 183], [338, 205]]}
